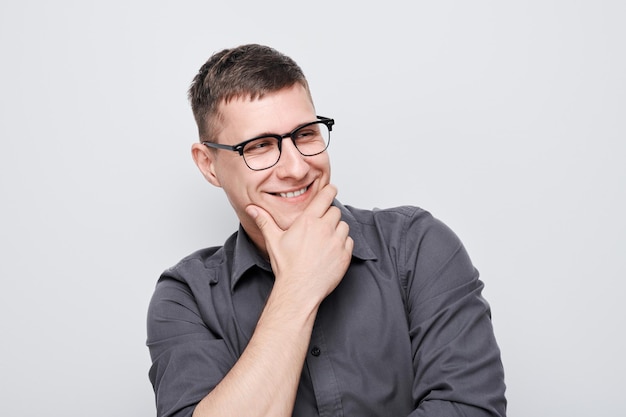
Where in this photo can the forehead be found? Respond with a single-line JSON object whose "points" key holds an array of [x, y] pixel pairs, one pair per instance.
{"points": [[277, 112]]}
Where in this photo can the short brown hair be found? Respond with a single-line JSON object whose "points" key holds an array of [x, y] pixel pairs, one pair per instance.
{"points": [[245, 71]]}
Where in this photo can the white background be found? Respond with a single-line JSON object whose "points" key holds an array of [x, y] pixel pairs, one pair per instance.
{"points": [[507, 120]]}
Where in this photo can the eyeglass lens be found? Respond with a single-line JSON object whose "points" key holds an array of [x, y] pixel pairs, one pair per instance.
{"points": [[311, 139]]}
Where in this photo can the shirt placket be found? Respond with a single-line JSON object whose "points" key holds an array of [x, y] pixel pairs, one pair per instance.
{"points": [[323, 378]]}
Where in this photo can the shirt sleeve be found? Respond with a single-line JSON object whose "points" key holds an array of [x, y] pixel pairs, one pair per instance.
{"points": [[456, 360], [188, 359]]}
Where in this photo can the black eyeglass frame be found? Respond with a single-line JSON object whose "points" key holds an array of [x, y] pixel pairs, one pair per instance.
{"points": [[239, 147]]}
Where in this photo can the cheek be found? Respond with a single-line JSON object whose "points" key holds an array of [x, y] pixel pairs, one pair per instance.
{"points": [[242, 188], [324, 162], [323, 165]]}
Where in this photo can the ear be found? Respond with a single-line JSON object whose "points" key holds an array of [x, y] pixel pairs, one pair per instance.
{"points": [[205, 161]]}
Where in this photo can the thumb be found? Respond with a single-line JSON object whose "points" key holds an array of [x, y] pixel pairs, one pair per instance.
{"points": [[264, 221]]}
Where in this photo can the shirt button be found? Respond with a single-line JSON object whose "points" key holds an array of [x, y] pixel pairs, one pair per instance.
{"points": [[315, 351]]}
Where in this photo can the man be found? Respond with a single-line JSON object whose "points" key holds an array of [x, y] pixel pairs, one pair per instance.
{"points": [[312, 308]]}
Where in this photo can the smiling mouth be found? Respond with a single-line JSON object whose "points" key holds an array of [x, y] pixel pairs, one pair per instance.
{"points": [[292, 194]]}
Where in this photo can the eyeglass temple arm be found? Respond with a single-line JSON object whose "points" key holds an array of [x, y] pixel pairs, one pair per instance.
{"points": [[221, 146]]}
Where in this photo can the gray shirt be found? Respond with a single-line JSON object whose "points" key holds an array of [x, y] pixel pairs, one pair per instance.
{"points": [[406, 332]]}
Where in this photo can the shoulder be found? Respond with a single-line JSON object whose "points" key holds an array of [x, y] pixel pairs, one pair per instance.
{"points": [[364, 215], [391, 215], [180, 288], [200, 267], [200, 260], [395, 221], [406, 231]]}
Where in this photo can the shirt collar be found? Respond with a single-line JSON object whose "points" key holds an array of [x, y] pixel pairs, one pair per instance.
{"points": [[362, 249], [246, 255]]}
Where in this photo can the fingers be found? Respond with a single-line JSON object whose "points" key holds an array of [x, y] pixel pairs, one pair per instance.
{"points": [[343, 231], [322, 201], [264, 221], [311, 256], [320, 207]]}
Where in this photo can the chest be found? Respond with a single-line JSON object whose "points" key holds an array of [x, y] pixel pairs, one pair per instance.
{"points": [[359, 358]]}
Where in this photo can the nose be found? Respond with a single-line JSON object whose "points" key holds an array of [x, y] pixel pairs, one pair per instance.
{"points": [[292, 163]]}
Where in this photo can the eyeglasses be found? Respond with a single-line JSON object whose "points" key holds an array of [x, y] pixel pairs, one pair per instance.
{"points": [[263, 152]]}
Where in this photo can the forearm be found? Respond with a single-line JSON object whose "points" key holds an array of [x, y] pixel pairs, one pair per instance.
{"points": [[265, 379]]}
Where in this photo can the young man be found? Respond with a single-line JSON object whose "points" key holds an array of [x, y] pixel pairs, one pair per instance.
{"points": [[312, 308]]}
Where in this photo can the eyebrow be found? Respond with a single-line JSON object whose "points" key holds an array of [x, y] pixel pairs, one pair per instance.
{"points": [[269, 133]]}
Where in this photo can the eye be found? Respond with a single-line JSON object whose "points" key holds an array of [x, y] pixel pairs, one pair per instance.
{"points": [[261, 145], [308, 133]]}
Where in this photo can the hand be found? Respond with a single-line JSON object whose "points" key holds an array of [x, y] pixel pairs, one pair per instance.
{"points": [[311, 257]]}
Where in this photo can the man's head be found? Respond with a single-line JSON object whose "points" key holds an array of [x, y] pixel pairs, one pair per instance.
{"points": [[248, 71], [245, 93]]}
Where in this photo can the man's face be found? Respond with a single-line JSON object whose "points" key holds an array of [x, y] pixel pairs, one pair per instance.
{"points": [[288, 187]]}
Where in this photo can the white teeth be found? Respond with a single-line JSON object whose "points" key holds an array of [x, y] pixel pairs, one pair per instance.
{"points": [[293, 193]]}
